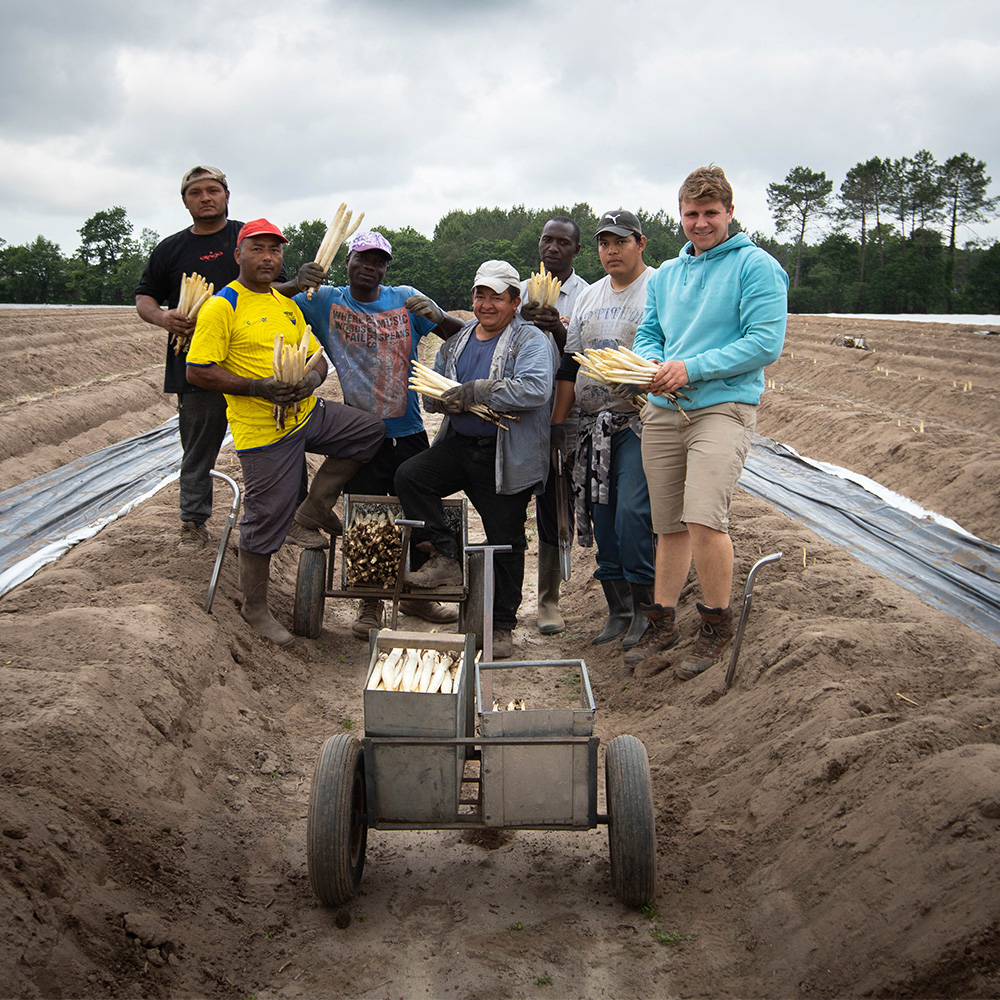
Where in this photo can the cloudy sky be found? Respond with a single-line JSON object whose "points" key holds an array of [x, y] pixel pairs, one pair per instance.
{"points": [[409, 108]]}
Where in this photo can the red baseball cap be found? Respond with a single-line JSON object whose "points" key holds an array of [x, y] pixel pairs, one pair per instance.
{"points": [[257, 227]]}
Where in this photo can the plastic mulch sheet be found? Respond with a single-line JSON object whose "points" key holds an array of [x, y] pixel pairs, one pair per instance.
{"points": [[44, 517], [924, 552]]}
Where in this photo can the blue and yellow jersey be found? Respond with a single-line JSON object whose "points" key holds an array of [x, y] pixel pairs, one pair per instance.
{"points": [[236, 330]]}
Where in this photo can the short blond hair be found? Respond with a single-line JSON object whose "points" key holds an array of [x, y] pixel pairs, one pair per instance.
{"points": [[706, 184]]}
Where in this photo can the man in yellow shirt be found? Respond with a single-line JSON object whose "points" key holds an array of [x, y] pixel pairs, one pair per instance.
{"points": [[232, 352]]}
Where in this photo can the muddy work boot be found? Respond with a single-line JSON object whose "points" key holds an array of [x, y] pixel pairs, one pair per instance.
{"points": [[550, 619], [254, 579], [194, 537], [619, 598], [429, 611], [661, 635], [439, 571], [316, 513], [642, 596], [716, 631], [503, 643], [369, 617]]}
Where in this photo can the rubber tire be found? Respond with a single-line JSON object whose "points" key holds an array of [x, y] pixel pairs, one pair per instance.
{"points": [[631, 822], [310, 594], [337, 824]]}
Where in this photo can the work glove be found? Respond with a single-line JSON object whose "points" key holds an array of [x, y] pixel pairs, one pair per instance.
{"points": [[307, 386], [274, 391], [310, 275], [464, 396], [557, 444], [421, 305], [625, 390], [544, 317]]}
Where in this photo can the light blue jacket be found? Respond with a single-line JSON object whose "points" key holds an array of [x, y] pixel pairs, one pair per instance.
{"points": [[524, 367], [723, 314]]}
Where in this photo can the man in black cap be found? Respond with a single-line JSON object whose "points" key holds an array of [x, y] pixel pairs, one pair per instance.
{"points": [[206, 247]]}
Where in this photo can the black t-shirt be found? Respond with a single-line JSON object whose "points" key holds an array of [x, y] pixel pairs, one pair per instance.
{"points": [[185, 252]]}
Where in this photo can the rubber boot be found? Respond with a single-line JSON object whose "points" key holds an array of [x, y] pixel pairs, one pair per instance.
{"points": [[641, 594], [254, 577], [550, 620], [619, 599], [316, 512]]}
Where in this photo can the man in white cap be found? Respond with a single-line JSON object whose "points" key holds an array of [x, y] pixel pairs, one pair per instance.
{"points": [[371, 331], [506, 364], [232, 352]]}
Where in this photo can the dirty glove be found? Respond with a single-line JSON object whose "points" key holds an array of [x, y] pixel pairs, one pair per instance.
{"points": [[625, 390], [421, 305], [308, 385], [557, 444], [310, 275], [464, 396], [272, 390], [544, 317]]}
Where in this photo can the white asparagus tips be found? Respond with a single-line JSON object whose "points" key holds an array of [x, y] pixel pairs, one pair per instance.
{"points": [[339, 230], [621, 366], [427, 671], [291, 365], [195, 292], [543, 288], [428, 382]]}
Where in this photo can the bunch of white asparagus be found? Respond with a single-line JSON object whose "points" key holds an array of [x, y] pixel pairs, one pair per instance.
{"points": [[543, 288], [292, 364], [195, 292], [339, 230], [428, 382], [621, 366], [425, 670]]}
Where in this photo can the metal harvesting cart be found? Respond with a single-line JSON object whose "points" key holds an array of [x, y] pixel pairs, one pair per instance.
{"points": [[462, 761]]}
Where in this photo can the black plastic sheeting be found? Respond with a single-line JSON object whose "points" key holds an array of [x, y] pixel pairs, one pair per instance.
{"points": [[949, 569], [42, 518]]}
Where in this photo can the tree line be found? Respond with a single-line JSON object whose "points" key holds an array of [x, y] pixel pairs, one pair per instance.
{"points": [[887, 242]]}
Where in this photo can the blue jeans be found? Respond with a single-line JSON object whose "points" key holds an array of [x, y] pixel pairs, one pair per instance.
{"points": [[623, 528]]}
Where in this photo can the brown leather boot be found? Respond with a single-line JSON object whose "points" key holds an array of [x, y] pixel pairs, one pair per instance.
{"points": [[716, 631]]}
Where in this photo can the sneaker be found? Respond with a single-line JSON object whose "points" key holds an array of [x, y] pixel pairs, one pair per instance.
{"points": [[194, 537], [661, 635], [716, 631], [369, 617], [439, 571], [430, 611], [503, 643]]}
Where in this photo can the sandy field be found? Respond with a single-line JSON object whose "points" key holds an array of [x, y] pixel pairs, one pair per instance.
{"points": [[827, 828]]}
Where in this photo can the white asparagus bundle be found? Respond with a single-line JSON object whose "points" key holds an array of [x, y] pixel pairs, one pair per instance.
{"points": [[291, 365], [427, 671], [428, 382], [337, 232], [195, 292], [621, 366], [543, 288]]}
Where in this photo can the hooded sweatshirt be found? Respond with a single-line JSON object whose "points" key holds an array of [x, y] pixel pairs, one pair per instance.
{"points": [[723, 314]]}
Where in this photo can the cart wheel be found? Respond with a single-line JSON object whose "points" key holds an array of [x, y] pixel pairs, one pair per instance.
{"points": [[631, 827], [471, 610], [310, 594], [337, 825]]}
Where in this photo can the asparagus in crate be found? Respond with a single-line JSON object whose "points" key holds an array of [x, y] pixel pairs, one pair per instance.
{"points": [[195, 292], [339, 230], [428, 671]]}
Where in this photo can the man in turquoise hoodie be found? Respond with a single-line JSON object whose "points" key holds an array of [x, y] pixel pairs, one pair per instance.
{"points": [[715, 316]]}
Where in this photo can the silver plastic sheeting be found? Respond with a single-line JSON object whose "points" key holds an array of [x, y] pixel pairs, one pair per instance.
{"points": [[44, 517], [934, 558]]}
